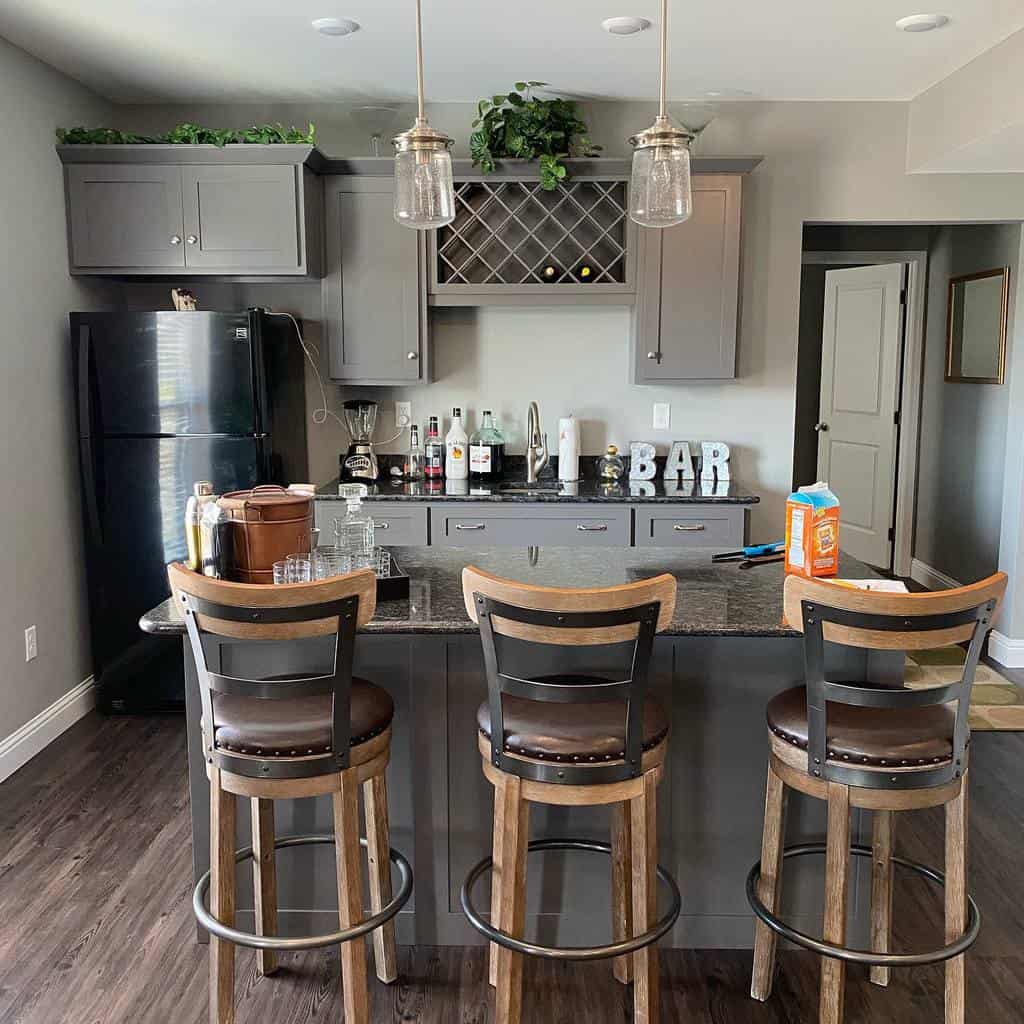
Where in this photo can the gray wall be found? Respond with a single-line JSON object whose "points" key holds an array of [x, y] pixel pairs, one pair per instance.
{"points": [[40, 521], [963, 426]]}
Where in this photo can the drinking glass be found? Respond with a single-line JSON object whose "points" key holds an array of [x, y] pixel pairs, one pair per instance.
{"points": [[363, 560], [330, 560], [300, 569], [280, 572], [382, 562]]}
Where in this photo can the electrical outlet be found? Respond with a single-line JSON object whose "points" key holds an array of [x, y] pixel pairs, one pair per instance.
{"points": [[31, 649], [662, 415], [403, 414]]}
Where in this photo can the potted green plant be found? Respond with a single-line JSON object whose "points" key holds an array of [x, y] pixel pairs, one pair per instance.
{"points": [[189, 134], [518, 125]]}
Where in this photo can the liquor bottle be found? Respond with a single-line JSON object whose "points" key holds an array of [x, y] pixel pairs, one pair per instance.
{"points": [[487, 451], [433, 452], [549, 273], [413, 469], [584, 273], [202, 494], [456, 444]]}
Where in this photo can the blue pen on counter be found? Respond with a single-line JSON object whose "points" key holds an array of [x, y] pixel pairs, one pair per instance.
{"points": [[751, 551]]}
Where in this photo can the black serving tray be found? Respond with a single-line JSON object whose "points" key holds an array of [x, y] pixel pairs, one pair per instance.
{"points": [[394, 587]]}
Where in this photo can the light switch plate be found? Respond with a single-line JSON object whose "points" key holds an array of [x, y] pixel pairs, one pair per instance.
{"points": [[662, 415], [31, 647]]}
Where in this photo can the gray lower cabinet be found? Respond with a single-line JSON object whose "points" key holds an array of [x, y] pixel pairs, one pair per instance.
{"points": [[395, 523], [523, 524], [685, 315], [375, 289], [149, 211], [691, 526]]}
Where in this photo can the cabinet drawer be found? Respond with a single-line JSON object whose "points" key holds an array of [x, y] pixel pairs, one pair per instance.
{"points": [[395, 524], [521, 525], [693, 526]]}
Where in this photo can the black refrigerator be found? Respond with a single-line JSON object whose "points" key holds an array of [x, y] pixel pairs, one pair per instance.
{"points": [[166, 399]]}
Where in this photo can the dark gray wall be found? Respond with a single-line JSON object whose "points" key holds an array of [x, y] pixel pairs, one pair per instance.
{"points": [[963, 426]]}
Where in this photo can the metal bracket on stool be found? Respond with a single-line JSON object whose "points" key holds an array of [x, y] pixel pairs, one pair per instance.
{"points": [[859, 956], [517, 945], [291, 945]]}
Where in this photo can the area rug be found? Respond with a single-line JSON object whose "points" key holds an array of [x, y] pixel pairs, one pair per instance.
{"points": [[997, 704]]}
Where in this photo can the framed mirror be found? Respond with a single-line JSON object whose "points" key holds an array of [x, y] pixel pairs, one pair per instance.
{"points": [[976, 327]]}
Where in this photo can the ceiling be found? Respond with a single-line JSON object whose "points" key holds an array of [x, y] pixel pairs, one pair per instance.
{"points": [[258, 50]]}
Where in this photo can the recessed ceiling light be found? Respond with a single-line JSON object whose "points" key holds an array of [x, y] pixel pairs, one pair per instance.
{"points": [[335, 26], [625, 26], [922, 22]]}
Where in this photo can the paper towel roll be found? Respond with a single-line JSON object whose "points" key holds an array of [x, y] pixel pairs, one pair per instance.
{"points": [[568, 448]]}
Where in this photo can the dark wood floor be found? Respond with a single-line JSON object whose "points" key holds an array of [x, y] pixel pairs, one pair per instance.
{"points": [[96, 926]]}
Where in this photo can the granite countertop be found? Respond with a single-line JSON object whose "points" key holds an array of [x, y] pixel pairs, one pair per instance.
{"points": [[655, 491], [713, 600]]}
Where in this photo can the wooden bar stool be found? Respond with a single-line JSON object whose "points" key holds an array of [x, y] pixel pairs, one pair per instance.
{"points": [[284, 737], [884, 749], [572, 740]]}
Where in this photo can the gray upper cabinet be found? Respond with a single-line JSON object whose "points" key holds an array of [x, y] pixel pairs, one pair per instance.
{"points": [[685, 316], [124, 216], [375, 286], [236, 211]]}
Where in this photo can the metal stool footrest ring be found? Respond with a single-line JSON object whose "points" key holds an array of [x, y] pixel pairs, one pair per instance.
{"points": [[631, 945], [282, 944], [858, 956]]}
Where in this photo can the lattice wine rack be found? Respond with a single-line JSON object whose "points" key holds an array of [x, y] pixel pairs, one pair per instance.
{"points": [[506, 232]]}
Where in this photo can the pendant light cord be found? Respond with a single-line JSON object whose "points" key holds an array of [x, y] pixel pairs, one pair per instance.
{"points": [[419, 58], [664, 51]]}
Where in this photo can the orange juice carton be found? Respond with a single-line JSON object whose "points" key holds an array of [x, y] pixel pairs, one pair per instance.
{"points": [[812, 531]]}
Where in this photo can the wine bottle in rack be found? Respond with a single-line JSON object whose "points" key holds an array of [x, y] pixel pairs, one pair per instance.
{"points": [[550, 273], [584, 273]]}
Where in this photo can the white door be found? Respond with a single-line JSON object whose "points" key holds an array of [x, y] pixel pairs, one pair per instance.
{"points": [[857, 431]]}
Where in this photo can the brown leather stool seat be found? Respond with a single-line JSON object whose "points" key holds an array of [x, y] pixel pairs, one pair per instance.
{"points": [[880, 737], [571, 732], [289, 728]]}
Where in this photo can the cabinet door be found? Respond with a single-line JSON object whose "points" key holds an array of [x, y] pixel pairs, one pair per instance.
{"points": [[688, 290], [245, 217], [125, 215], [375, 289]]}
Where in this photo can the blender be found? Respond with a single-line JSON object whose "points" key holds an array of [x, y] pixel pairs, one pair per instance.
{"points": [[361, 461]]}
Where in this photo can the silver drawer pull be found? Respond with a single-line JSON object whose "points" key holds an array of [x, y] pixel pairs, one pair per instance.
{"points": [[599, 528], [691, 528], [470, 526], [381, 526]]}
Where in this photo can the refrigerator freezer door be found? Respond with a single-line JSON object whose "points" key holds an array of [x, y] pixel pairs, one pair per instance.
{"points": [[166, 373], [142, 485]]}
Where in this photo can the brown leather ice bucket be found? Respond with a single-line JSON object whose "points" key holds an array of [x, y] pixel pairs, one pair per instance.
{"points": [[268, 524]]}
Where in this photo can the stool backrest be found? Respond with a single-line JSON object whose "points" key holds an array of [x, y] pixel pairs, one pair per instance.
{"points": [[567, 617], [256, 613], [877, 620]]}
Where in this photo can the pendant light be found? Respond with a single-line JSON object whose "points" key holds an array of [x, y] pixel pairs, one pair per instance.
{"points": [[659, 186], [424, 194]]}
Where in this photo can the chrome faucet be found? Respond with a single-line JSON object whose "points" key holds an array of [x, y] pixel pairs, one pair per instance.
{"points": [[536, 445]]}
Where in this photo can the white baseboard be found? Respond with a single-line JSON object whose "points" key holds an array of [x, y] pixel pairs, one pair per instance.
{"points": [[36, 734], [931, 578], [1007, 650]]}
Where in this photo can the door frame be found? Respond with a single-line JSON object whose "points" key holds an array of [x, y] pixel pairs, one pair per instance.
{"points": [[911, 383]]}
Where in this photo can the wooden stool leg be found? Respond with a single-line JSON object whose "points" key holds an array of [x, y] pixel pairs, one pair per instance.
{"points": [[882, 843], [622, 880], [378, 849], [264, 877], [837, 865], [497, 847], [644, 829], [350, 897], [956, 901], [516, 815], [222, 899], [772, 841]]}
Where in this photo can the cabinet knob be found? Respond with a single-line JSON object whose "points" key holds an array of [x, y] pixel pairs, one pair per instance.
{"points": [[175, 239], [411, 355], [652, 355], [191, 239], [821, 427]]}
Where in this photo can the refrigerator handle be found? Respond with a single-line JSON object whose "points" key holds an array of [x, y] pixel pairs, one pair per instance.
{"points": [[85, 449]]}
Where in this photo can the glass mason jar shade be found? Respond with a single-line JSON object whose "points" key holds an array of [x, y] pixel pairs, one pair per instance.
{"points": [[424, 193], [659, 186]]}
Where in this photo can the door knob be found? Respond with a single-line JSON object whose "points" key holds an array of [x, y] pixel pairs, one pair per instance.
{"points": [[821, 427], [175, 239]]}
